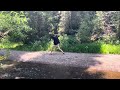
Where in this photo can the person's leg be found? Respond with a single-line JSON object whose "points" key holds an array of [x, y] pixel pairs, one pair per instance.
{"points": [[52, 49], [60, 48]]}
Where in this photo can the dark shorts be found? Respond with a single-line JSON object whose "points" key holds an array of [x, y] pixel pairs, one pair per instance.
{"points": [[56, 43]]}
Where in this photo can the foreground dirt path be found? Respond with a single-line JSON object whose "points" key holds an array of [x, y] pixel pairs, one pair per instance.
{"points": [[42, 65], [91, 61]]}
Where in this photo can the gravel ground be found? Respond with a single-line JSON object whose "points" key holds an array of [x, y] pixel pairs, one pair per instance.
{"points": [[41, 65]]}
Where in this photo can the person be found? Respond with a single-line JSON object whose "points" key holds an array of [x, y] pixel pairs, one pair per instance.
{"points": [[56, 42]]}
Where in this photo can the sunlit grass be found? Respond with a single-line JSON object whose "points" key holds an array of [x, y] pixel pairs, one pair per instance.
{"points": [[8, 45], [110, 49], [67, 46], [2, 57]]}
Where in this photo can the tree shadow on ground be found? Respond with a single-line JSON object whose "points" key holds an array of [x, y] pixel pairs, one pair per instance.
{"points": [[41, 65], [29, 70], [49, 69]]}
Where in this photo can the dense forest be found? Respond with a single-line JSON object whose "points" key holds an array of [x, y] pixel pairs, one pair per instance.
{"points": [[80, 31]]}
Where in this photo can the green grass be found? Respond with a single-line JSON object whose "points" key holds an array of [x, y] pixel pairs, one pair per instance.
{"points": [[67, 47], [110, 49], [1, 57], [9, 45], [80, 48], [94, 48], [83, 48]]}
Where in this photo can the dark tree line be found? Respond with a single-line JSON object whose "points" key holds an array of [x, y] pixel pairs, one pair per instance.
{"points": [[85, 26]]}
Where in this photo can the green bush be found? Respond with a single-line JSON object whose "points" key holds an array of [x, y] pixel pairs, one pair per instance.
{"points": [[5, 57], [16, 23], [68, 44], [6, 44]]}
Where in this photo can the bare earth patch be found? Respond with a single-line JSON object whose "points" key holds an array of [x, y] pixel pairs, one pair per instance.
{"points": [[41, 65]]}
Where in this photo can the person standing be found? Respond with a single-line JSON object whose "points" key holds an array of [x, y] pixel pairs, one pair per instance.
{"points": [[56, 42]]}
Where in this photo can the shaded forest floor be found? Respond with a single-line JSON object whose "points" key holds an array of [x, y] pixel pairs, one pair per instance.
{"points": [[41, 65]]}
